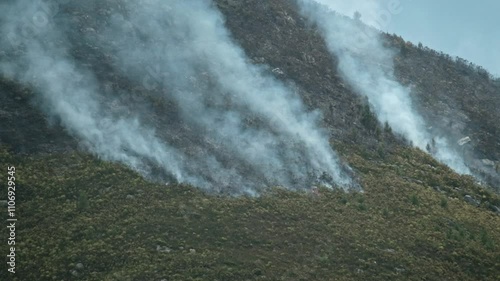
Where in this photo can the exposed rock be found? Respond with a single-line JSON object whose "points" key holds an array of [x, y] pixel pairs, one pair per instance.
{"points": [[463, 141], [130, 197], [471, 200], [400, 270], [163, 249], [431, 167], [438, 189], [278, 71], [488, 162], [495, 209], [79, 266]]}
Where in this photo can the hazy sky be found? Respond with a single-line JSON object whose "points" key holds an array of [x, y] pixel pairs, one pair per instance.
{"points": [[464, 28]]}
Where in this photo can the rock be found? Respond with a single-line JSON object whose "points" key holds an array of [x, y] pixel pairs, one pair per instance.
{"points": [[74, 273], [192, 251], [487, 162], [399, 270], [390, 251], [258, 60], [163, 249], [278, 71], [471, 200], [431, 167], [79, 266], [463, 141], [437, 188], [129, 197], [495, 209], [89, 30]]}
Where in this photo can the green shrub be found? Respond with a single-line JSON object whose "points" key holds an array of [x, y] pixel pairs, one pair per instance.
{"points": [[362, 207], [414, 200], [444, 202], [82, 203], [486, 240]]}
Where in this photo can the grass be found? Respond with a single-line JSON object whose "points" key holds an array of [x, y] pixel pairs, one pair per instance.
{"points": [[74, 209]]}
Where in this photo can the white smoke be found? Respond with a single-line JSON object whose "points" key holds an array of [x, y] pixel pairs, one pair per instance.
{"points": [[367, 65], [181, 51], [41, 60]]}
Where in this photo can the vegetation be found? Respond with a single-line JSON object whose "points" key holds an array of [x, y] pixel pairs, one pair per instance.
{"points": [[84, 219], [76, 210]]}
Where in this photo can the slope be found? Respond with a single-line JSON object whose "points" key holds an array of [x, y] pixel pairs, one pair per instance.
{"points": [[85, 219]]}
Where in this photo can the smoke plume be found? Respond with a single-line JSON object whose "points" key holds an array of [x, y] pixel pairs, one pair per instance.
{"points": [[231, 127], [367, 65], [39, 57]]}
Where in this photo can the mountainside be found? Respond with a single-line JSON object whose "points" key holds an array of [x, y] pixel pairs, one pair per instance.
{"points": [[85, 218]]}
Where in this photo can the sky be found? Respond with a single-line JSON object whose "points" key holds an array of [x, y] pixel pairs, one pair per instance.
{"points": [[465, 28]]}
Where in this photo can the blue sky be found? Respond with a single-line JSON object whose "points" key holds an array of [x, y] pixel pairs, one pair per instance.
{"points": [[464, 28], [468, 29]]}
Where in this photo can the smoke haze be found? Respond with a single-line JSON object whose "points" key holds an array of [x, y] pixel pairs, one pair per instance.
{"points": [[234, 127], [368, 67]]}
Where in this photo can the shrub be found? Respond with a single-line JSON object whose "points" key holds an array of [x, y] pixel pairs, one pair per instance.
{"points": [[82, 203], [444, 202], [414, 200]]}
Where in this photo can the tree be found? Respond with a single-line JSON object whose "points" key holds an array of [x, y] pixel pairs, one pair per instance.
{"points": [[387, 128], [368, 118], [357, 16]]}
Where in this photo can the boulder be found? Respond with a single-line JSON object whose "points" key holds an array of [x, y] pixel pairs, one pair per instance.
{"points": [[163, 249], [278, 71], [79, 266], [463, 141], [487, 162], [471, 200], [495, 209]]}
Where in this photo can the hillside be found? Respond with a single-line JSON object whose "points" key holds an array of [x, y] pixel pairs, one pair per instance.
{"points": [[82, 218]]}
